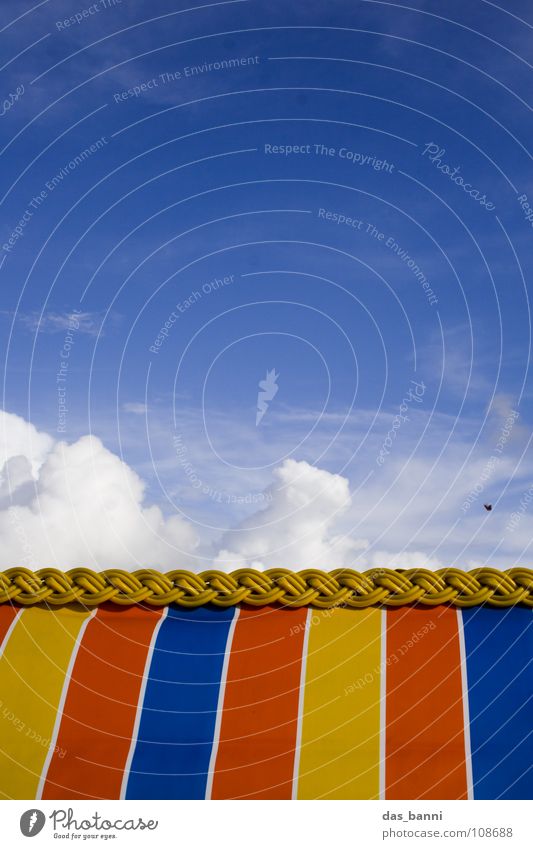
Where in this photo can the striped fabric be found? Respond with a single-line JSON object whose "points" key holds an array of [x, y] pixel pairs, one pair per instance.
{"points": [[137, 703]]}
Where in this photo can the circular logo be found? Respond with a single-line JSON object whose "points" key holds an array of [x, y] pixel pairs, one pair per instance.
{"points": [[32, 822]]}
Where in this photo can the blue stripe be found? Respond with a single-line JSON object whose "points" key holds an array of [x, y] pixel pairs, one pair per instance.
{"points": [[171, 757], [499, 653]]}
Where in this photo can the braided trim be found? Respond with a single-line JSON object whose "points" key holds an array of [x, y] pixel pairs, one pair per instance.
{"points": [[342, 587]]}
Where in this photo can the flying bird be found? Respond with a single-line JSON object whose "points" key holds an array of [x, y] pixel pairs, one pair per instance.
{"points": [[488, 507]]}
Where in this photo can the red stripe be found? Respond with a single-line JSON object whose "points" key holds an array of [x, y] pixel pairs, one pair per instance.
{"points": [[101, 704], [7, 615], [255, 758], [425, 752]]}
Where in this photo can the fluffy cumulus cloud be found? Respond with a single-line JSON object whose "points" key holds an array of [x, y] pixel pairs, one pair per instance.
{"points": [[73, 505], [297, 529], [18, 438], [78, 504], [301, 529]]}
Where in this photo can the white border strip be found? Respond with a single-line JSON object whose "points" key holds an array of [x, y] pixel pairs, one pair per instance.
{"points": [[140, 704], [383, 706], [61, 705], [220, 706], [301, 698], [466, 710]]}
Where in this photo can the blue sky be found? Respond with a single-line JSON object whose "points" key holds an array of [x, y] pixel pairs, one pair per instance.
{"points": [[334, 191]]}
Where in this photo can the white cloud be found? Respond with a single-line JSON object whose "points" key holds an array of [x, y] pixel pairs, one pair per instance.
{"points": [[297, 529], [135, 408], [79, 504], [54, 322], [402, 560], [82, 506], [19, 437], [409, 509]]}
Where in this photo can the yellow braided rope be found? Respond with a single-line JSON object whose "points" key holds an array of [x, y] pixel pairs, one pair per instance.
{"points": [[342, 587]]}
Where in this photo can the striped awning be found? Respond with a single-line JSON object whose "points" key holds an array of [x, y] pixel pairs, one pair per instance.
{"points": [[266, 702]]}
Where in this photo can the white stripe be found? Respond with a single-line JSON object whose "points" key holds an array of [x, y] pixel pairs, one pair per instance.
{"points": [[466, 711], [301, 696], [60, 708], [135, 732], [220, 705], [383, 703], [9, 631]]}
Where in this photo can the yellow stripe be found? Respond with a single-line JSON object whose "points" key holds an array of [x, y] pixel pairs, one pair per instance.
{"points": [[341, 718], [32, 672]]}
